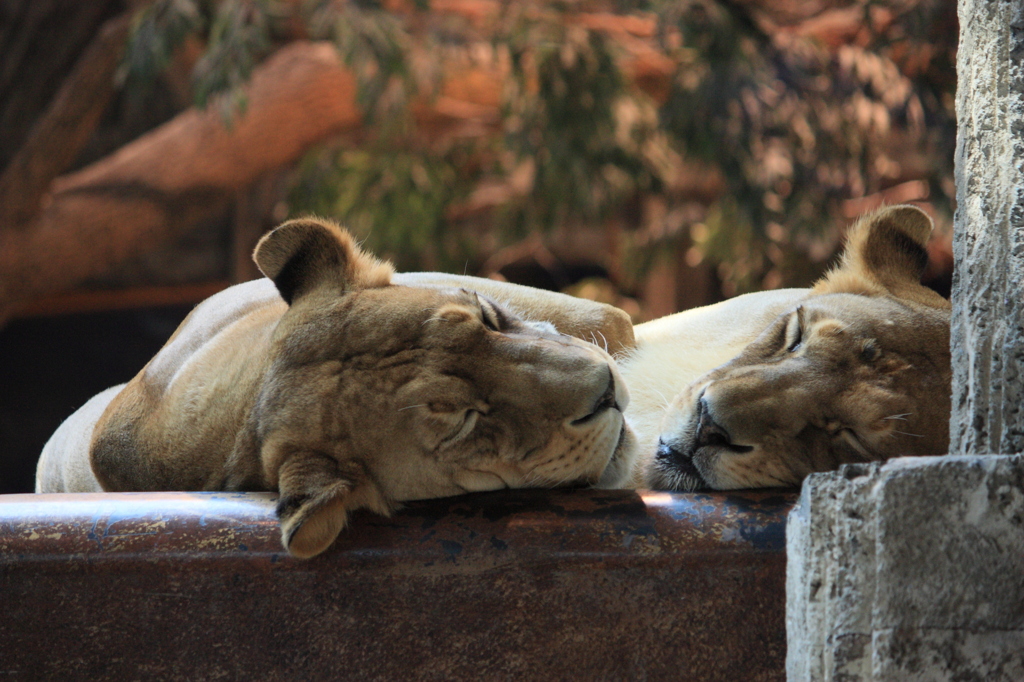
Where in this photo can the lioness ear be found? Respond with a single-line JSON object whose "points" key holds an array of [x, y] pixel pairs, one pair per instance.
{"points": [[307, 253], [885, 254]]}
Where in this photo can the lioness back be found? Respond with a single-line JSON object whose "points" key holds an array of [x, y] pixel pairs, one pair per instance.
{"points": [[185, 408], [64, 463]]}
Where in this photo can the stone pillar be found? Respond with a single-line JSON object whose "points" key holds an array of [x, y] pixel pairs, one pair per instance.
{"points": [[914, 570], [988, 244], [908, 571]]}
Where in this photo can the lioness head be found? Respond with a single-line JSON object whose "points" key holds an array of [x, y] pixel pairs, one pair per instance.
{"points": [[379, 393], [857, 371]]}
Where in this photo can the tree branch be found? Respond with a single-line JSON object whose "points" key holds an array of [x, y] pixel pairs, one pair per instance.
{"points": [[187, 170], [69, 122], [178, 175]]}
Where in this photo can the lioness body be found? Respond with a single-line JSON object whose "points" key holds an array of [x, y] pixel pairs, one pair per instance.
{"points": [[64, 464], [206, 343], [341, 389]]}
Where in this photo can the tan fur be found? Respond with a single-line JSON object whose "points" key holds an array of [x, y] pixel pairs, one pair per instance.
{"points": [[351, 392], [856, 369], [598, 323]]}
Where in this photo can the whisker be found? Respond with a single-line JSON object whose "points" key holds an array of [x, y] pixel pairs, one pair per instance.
{"points": [[409, 407], [568, 477], [534, 479], [912, 435], [603, 339], [541, 481], [434, 318], [530, 478], [770, 477], [665, 401], [902, 417]]}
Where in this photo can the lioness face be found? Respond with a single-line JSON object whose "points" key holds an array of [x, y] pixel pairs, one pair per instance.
{"points": [[841, 378], [858, 371], [438, 392]]}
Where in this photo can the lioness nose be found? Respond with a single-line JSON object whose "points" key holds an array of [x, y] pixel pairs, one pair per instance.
{"points": [[680, 462], [605, 402]]}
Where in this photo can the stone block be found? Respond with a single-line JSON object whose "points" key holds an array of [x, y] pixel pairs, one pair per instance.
{"points": [[909, 570]]}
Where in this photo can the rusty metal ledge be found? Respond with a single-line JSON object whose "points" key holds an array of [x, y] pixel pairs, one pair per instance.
{"points": [[519, 584]]}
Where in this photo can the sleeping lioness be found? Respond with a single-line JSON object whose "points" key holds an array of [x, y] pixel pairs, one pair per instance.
{"points": [[763, 389], [340, 390]]}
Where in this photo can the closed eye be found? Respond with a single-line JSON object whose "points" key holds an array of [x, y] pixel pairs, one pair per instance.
{"points": [[795, 331], [850, 437], [489, 315], [469, 419]]}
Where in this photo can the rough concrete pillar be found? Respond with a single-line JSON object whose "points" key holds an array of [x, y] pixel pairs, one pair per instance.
{"points": [[908, 571], [988, 243], [914, 570]]}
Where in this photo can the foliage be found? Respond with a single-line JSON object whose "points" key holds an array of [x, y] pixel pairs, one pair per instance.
{"points": [[798, 126], [237, 35], [566, 125], [795, 127], [376, 46], [394, 199], [157, 32]]}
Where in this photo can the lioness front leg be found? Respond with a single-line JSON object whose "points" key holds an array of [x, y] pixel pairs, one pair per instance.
{"points": [[316, 492]]}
